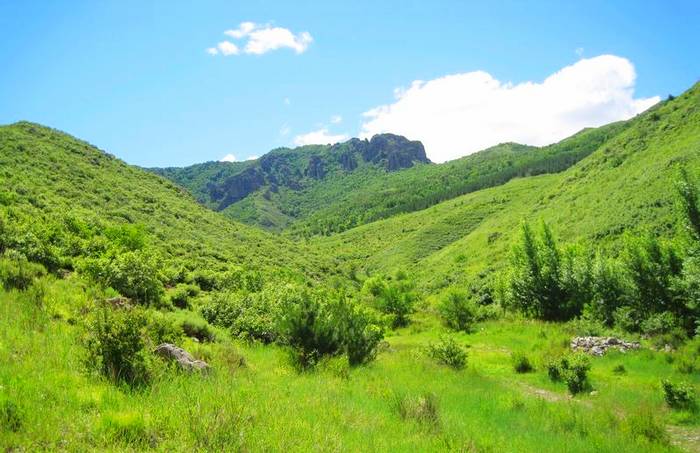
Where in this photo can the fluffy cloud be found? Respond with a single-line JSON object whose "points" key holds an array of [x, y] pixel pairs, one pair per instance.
{"points": [[228, 158], [319, 137], [459, 114], [260, 39]]}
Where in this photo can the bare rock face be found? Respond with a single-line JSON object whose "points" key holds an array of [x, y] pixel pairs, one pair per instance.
{"points": [[598, 346], [182, 357], [119, 302]]}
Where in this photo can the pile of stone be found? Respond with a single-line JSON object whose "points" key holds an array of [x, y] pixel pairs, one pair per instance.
{"points": [[598, 346]]}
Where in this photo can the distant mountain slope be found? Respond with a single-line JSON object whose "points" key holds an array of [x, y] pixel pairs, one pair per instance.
{"points": [[46, 173], [325, 189], [278, 174], [626, 185]]}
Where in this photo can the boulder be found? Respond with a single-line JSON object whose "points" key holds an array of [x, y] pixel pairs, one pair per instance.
{"points": [[182, 357]]}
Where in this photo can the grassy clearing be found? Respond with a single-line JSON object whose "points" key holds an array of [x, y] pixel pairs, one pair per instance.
{"points": [[403, 401]]}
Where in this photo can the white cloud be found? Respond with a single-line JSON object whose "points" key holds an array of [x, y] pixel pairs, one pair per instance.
{"points": [[243, 29], [228, 158], [579, 52], [319, 137], [227, 48], [336, 119], [213, 51], [459, 114], [287, 101], [263, 38], [285, 130], [252, 157]]}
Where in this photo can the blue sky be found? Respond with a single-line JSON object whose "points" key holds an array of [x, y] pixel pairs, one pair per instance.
{"points": [[135, 77]]}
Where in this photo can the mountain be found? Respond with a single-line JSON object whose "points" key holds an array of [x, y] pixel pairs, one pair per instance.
{"points": [[626, 185], [263, 191], [325, 189], [50, 178]]}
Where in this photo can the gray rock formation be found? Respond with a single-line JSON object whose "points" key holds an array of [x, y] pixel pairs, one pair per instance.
{"points": [[182, 357]]}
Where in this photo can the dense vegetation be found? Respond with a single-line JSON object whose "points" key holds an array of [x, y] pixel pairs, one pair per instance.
{"points": [[447, 328], [280, 192]]}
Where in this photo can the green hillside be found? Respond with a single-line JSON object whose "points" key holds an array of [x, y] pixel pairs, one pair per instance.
{"points": [[51, 182], [280, 192], [626, 185], [371, 339]]}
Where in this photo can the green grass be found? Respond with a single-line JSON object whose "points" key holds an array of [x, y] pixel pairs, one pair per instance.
{"points": [[266, 405]]}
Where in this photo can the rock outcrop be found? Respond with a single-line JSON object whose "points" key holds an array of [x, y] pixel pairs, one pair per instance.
{"points": [[182, 357], [598, 346]]}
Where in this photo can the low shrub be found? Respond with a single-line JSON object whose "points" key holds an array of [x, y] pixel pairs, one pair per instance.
{"points": [[573, 370], [619, 369], [11, 418], [250, 316], [521, 363], [197, 328], [18, 273], [423, 409], [180, 295], [457, 310], [678, 396], [448, 352], [115, 342], [319, 324]]}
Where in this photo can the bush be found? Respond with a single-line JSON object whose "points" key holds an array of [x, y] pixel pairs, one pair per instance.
{"points": [[678, 396], [252, 316], [18, 273], [395, 298], [181, 294], [310, 328], [457, 310], [197, 328], [521, 363], [573, 370], [10, 416], [362, 335], [133, 274], [659, 323], [619, 369], [116, 346], [448, 352], [317, 325]]}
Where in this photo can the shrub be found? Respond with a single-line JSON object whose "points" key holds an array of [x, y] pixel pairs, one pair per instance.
{"points": [[659, 323], [457, 310], [197, 328], [18, 273], [310, 328], [206, 280], [573, 370], [619, 369], [678, 396], [133, 274], [521, 363], [161, 329], [423, 409], [10, 416], [116, 347], [252, 316], [362, 335], [181, 294], [317, 325], [395, 298], [448, 352]]}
